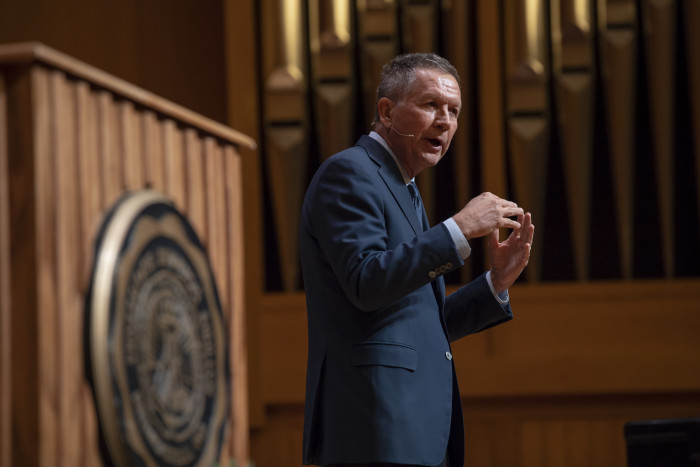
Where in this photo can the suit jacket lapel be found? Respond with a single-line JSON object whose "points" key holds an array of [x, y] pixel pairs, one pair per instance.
{"points": [[391, 175]]}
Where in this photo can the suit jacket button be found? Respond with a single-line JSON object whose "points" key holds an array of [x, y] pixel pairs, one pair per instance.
{"points": [[448, 266], [448, 355], [432, 274]]}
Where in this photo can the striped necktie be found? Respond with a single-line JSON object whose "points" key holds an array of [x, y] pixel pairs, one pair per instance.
{"points": [[417, 204]]}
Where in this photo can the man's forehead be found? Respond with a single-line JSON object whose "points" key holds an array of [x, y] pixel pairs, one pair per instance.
{"points": [[437, 81], [448, 81], [439, 76]]}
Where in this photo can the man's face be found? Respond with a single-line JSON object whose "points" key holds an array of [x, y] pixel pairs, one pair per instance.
{"points": [[429, 113]]}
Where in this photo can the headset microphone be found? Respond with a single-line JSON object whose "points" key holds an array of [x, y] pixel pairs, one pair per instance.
{"points": [[399, 133]]}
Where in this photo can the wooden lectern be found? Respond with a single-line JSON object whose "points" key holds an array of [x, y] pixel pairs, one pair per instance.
{"points": [[73, 140]]}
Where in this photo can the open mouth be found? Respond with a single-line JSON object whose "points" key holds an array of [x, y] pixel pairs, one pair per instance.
{"points": [[435, 142]]}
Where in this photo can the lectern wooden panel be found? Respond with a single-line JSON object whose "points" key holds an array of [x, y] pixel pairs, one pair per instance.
{"points": [[73, 139]]}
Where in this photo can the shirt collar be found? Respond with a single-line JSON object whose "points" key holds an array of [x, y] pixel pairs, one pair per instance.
{"points": [[377, 137]]}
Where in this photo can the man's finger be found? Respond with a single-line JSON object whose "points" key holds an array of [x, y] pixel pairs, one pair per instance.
{"points": [[493, 238], [510, 223]]}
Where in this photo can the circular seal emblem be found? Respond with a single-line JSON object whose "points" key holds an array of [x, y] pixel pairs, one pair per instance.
{"points": [[157, 355]]}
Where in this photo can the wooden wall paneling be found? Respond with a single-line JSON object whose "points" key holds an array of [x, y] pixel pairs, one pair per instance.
{"points": [[284, 331], [479, 434], [574, 75], [332, 48], [419, 34], [419, 25], [112, 176], [547, 348], [286, 116], [174, 164], [244, 111], [237, 321], [659, 26], [89, 171], [565, 443], [691, 13], [528, 114], [90, 442], [491, 115], [531, 445], [67, 351], [219, 253], [171, 49], [491, 81], [555, 444], [70, 310], [24, 374], [458, 49], [217, 246], [5, 289], [154, 159], [501, 424], [572, 431], [48, 362], [286, 154], [618, 50], [115, 175], [606, 444], [196, 205], [171, 40], [131, 145], [579, 435], [216, 216], [378, 42], [281, 443]]}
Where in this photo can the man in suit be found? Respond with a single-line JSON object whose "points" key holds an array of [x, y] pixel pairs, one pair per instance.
{"points": [[381, 385]]}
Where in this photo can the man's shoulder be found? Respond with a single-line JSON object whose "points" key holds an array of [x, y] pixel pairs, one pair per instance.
{"points": [[365, 151], [352, 158], [355, 166], [351, 153]]}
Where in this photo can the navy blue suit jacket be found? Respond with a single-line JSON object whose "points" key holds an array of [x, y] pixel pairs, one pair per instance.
{"points": [[381, 385]]}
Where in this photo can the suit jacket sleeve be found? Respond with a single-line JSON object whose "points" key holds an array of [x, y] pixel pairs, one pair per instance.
{"points": [[473, 308]]}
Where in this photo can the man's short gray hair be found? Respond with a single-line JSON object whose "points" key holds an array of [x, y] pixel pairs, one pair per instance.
{"points": [[397, 77]]}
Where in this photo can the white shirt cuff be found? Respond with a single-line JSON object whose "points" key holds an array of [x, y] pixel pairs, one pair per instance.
{"points": [[465, 250], [503, 296], [460, 242]]}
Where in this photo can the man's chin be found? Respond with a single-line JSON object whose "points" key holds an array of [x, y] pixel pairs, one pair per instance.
{"points": [[432, 158]]}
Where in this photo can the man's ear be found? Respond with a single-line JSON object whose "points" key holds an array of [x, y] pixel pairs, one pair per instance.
{"points": [[384, 108]]}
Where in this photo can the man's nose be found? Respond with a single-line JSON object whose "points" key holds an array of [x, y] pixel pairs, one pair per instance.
{"points": [[442, 118]]}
